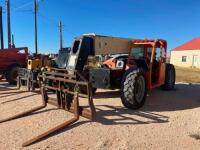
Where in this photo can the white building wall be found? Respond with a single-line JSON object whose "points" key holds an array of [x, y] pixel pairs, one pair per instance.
{"points": [[176, 58]]}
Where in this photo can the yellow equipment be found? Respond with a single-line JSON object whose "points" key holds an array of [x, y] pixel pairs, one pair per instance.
{"points": [[34, 63]]}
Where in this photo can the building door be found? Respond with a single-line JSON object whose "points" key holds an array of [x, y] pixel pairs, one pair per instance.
{"points": [[195, 61]]}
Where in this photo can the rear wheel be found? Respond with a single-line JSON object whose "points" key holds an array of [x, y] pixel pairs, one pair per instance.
{"points": [[170, 77], [133, 89], [11, 74]]}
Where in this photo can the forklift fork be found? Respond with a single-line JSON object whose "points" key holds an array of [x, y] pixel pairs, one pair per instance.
{"points": [[62, 101], [59, 127]]}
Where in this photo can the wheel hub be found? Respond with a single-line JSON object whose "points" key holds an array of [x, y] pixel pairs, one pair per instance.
{"points": [[140, 89]]}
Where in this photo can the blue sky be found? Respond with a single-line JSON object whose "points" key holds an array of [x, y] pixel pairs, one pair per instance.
{"points": [[177, 21]]}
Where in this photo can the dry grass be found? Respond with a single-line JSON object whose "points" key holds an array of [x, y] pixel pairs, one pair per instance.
{"points": [[189, 75]]}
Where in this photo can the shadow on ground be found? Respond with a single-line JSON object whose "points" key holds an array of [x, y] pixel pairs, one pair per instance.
{"points": [[123, 116], [107, 94], [4, 86], [185, 96], [18, 99]]}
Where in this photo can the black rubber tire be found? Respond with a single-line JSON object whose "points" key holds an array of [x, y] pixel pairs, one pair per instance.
{"points": [[170, 78], [11, 74], [1, 77], [129, 88]]}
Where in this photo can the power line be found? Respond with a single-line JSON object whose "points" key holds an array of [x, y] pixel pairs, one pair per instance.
{"points": [[16, 7], [23, 9], [48, 19], [55, 23], [23, 5]]}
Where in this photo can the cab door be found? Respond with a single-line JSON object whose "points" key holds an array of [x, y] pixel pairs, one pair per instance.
{"points": [[158, 67], [161, 66]]}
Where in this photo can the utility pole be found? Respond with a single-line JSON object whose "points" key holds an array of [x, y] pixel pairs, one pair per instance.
{"points": [[13, 41], [61, 35], [8, 23], [1, 27], [35, 20]]}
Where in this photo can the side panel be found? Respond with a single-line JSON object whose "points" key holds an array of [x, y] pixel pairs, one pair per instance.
{"points": [[62, 59], [100, 78], [161, 79], [12, 56], [78, 58], [86, 49], [111, 45]]}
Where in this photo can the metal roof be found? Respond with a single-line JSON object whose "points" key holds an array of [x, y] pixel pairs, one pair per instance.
{"points": [[194, 44]]}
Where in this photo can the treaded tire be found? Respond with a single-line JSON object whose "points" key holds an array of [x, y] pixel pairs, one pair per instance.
{"points": [[132, 83], [11, 74], [170, 78], [1, 77]]}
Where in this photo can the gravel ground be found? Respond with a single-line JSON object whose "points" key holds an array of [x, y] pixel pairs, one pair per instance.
{"points": [[169, 120]]}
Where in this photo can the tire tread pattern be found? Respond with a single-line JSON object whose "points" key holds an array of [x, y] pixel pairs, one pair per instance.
{"points": [[127, 89]]}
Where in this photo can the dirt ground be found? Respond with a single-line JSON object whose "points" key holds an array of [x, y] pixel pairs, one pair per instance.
{"points": [[169, 120], [189, 75]]}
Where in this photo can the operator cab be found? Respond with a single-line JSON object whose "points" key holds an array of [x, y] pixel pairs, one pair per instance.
{"points": [[139, 56], [151, 56]]}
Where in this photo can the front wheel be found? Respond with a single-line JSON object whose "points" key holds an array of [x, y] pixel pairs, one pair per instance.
{"points": [[133, 89], [12, 74]]}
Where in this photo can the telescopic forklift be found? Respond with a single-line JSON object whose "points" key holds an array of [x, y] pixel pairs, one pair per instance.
{"points": [[144, 70], [146, 67]]}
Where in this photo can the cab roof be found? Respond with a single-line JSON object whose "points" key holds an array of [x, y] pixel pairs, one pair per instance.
{"points": [[156, 42]]}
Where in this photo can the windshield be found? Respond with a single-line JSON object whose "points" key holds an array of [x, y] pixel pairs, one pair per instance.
{"points": [[137, 52]]}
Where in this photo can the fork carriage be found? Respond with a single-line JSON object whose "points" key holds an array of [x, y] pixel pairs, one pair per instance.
{"points": [[66, 87]]}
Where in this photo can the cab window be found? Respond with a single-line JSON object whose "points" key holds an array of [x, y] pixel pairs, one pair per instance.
{"points": [[21, 52], [157, 54], [149, 52], [137, 52]]}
